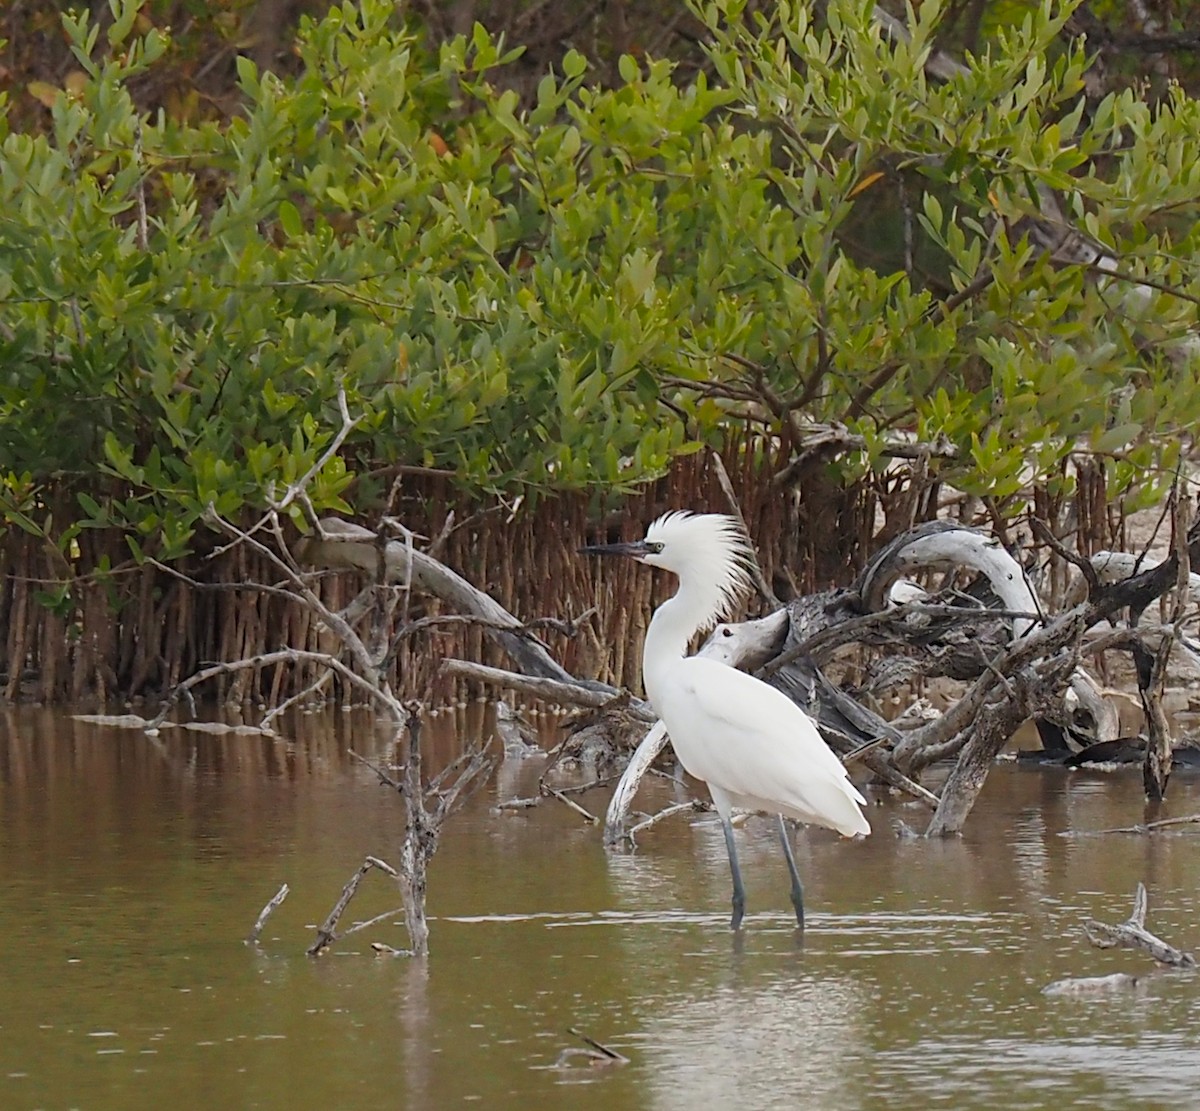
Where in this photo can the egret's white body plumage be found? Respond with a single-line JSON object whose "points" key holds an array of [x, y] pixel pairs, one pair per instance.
{"points": [[753, 747]]}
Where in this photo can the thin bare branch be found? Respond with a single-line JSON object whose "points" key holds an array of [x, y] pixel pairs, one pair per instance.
{"points": [[358, 926], [552, 690], [268, 720], [611, 1055], [569, 803], [301, 484], [384, 778], [350, 640], [696, 806], [199, 584], [1043, 531], [275, 901], [327, 932], [267, 659], [760, 583], [1141, 827]]}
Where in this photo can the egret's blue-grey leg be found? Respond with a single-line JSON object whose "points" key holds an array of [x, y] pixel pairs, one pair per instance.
{"points": [[797, 886], [739, 892]]}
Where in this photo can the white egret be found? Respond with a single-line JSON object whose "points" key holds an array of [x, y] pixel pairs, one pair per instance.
{"points": [[754, 747]]}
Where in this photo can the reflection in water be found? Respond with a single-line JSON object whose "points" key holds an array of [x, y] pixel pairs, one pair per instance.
{"points": [[132, 868], [755, 1044], [412, 1006]]}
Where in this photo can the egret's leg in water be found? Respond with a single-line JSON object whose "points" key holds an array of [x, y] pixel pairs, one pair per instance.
{"points": [[797, 886], [739, 892]]}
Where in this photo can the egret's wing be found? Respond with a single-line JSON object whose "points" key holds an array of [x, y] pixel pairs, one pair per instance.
{"points": [[756, 745]]}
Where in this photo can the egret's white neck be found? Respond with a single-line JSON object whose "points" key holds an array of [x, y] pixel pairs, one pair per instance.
{"points": [[672, 626]]}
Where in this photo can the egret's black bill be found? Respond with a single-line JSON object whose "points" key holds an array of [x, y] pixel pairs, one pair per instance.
{"points": [[628, 548]]}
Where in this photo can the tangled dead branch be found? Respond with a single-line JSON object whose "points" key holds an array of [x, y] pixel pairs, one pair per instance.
{"points": [[939, 603], [993, 632], [367, 632], [428, 804], [985, 626]]}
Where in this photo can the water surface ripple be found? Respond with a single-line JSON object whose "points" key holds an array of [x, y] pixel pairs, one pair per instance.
{"points": [[133, 868]]}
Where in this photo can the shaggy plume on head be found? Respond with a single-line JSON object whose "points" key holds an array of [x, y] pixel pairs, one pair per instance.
{"points": [[708, 551]]}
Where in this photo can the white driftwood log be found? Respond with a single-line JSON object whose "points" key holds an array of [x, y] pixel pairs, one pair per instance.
{"points": [[631, 779], [957, 548], [1114, 567], [343, 545]]}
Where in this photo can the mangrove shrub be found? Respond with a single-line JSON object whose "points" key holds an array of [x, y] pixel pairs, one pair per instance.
{"points": [[820, 234]]}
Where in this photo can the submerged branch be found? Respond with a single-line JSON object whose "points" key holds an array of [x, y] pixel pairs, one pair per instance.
{"points": [[266, 912], [1141, 827], [394, 913], [327, 932], [1132, 934], [1092, 985], [696, 806], [569, 803], [384, 779], [596, 1055]]}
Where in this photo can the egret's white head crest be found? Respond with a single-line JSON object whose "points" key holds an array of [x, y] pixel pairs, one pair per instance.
{"points": [[707, 551]]}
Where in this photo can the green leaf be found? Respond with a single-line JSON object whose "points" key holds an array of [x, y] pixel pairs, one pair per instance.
{"points": [[92, 508], [627, 66], [1115, 438], [289, 219], [574, 64]]}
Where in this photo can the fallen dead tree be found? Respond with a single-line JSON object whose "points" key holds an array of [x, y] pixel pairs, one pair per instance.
{"points": [[1019, 661], [974, 618], [984, 627]]}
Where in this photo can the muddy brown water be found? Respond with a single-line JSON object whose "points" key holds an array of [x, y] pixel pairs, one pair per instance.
{"points": [[132, 869]]}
